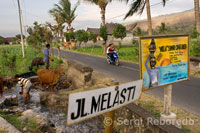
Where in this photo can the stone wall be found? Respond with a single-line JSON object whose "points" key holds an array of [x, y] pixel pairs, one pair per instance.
{"points": [[78, 74]]}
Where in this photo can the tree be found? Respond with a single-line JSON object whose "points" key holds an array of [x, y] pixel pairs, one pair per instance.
{"points": [[103, 33], [65, 11], [39, 34], [162, 28], [119, 32], [60, 21], [82, 36], [1, 40], [18, 36], [197, 18], [138, 6]]}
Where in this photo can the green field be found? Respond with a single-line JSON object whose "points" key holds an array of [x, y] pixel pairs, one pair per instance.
{"points": [[128, 53], [12, 62]]}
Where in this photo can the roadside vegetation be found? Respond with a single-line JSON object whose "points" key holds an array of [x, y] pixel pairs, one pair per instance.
{"points": [[12, 118], [12, 62]]}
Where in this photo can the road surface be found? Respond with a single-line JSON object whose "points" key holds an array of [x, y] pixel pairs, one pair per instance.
{"points": [[185, 94]]}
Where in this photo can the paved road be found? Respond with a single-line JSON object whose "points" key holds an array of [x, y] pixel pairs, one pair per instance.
{"points": [[185, 94]]}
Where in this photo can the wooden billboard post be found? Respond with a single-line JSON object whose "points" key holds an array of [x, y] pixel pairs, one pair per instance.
{"points": [[110, 118], [167, 99]]}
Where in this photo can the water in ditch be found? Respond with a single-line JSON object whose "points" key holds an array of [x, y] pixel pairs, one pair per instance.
{"points": [[58, 117]]}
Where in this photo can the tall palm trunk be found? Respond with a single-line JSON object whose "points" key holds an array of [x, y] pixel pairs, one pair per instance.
{"points": [[197, 17], [103, 12], [149, 17]]}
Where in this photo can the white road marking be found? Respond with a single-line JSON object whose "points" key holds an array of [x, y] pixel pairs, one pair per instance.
{"points": [[130, 68]]}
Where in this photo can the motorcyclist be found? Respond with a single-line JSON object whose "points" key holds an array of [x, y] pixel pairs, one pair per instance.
{"points": [[110, 50]]}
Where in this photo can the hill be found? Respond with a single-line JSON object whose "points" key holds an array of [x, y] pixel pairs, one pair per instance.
{"points": [[180, 21]]}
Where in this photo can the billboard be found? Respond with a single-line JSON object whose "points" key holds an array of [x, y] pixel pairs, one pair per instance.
{"points": [[164, 59]]}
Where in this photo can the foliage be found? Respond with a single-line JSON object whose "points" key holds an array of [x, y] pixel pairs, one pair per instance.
{"points": [[186, 130], [57, 62], [139, 32], [194, 48], [39, 34], [162, 28], [82, 36], [1, 40], [22, 64], [93, 37], [70, 36], [135, 42], [8, 59], [18, 36], [103, 33], [193, 32], [119, 31], [65, 10], [137, 6], [30, 124], [14, 41]]}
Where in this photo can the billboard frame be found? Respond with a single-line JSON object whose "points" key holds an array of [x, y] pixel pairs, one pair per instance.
{"points": [[163, 36]]}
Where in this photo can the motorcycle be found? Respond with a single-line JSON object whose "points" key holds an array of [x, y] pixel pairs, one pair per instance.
{"points": [[115, 60]]}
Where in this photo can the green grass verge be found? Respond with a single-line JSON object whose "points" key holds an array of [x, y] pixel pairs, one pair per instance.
{"points": [[21, 64], [128, 53], [30, 124]]}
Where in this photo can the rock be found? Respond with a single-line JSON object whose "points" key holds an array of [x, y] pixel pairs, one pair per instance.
{"points": [[54, 99], [42, 122], [8, 101], [78, 74], [11, 100]]}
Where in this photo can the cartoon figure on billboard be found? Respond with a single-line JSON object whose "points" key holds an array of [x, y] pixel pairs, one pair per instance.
{"points": [[153, 71]]}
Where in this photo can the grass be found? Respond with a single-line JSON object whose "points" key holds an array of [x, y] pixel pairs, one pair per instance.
{"points": [[155, 106], [30, 124], [22, 64], [128, 53]]}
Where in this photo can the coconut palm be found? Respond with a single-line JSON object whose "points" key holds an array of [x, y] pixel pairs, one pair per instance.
{"points": [[197, 17], [138, 6], [65, 10], [60, 21]]}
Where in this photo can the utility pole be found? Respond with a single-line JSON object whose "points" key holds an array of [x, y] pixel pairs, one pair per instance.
{"points": [[20, 21]]}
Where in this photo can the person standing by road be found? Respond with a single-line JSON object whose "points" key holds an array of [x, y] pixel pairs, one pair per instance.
{"points": [[47, 56]]}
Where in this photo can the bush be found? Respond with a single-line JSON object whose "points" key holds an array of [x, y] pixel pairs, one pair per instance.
{"points": [[195, 48]]}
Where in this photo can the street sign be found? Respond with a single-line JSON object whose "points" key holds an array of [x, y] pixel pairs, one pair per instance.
{"points": [[164, 59], [88, 104]]}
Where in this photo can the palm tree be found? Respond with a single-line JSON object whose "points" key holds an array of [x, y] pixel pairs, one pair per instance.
{"points": [[197, 17], [60, 21], [138, 6], [65, 11]]}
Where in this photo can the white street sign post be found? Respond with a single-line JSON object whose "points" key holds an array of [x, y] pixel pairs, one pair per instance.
{"points": [[88, 104]]}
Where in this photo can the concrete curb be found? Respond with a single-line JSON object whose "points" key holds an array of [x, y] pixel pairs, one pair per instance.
{"points": [[7, 126]]}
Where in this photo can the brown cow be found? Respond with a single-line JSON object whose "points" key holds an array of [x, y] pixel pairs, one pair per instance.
{"points": [[49, 77], [36, 62]]}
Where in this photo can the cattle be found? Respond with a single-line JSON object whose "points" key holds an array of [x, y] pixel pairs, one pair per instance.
{"points": [[36, 62], [48, 76]]}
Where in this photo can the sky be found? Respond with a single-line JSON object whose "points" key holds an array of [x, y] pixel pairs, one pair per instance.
{"points": [[88, 15]]}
